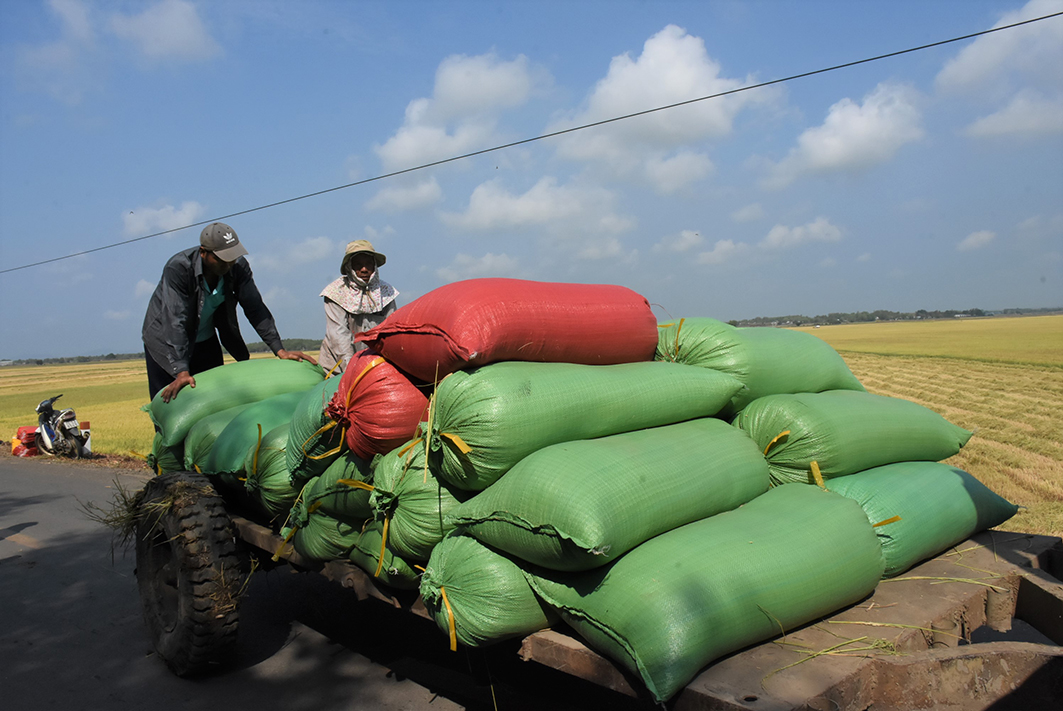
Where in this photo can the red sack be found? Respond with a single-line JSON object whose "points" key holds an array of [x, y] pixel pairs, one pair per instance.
{"points": [[378, 405], [481, 321]]}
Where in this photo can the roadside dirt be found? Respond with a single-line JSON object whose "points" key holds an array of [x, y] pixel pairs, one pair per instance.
{"points": [[109, 461]]}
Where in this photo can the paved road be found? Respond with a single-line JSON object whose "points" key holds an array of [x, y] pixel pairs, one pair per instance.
{"points": [[72, 635]]}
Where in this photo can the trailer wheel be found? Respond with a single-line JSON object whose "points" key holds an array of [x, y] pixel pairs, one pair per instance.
{"points": [[188, 572]]}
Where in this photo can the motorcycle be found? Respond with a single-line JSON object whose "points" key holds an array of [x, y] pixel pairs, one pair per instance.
{"points": [[59, 432]]}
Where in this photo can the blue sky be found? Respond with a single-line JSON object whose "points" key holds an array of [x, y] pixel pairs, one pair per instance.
{"points": [[930, 180]]}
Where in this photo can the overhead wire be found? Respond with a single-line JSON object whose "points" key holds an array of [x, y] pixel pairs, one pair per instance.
{"points": [[552, 134]]}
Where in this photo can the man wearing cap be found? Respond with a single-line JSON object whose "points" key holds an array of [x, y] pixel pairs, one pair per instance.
{"points": [[195, 304], [354, 303]]}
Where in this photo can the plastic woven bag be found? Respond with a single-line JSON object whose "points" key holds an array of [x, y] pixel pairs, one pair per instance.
{"points": [[413, 501], [844, 432], [922, 508], [580, 505], [689, 596], [201, 437], [227, 386], [315, 440], [481, 593], [230, 448], [377, 406], [480, 321], [486, 420], [266, 467], [768, 361]]}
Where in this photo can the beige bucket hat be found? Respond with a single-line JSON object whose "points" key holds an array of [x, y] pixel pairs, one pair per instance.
{"points": [[359, 246]]}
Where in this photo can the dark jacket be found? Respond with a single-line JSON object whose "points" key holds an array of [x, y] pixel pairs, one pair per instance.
{"points": [[172, 319]]}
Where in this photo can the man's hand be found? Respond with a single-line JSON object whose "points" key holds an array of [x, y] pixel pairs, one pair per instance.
{"points": [[183, 378], [295, 355]]}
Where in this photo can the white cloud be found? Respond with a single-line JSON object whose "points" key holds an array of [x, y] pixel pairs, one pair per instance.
{"points": [[406, 197], [311, 249], [683, 242], [460, 117], [993, 62], [491, 207], [168, 30], [465, 266], [723, 251], [854, 136], [1029, 113], [749, 213], [606, 249], [672, 68], [667, 175], [143, 288], [819, 230], [116, 315], [975, 240], [865, 257], [146, 220]]}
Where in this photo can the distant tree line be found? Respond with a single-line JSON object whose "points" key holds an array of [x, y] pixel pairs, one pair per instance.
{"points": [[881, 315]]}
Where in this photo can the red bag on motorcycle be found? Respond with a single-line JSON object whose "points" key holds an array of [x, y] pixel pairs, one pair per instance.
{"points": [[481, 321], [377, 404]]}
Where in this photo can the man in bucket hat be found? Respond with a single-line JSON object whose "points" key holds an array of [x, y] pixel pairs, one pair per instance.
{"points": [[192, 313], [354, 303]]}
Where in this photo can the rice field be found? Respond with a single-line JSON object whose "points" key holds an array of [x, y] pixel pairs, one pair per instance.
{"points": [[1000, 377]]}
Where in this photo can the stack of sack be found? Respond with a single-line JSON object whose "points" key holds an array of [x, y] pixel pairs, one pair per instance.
{"points": [[525, 452]]}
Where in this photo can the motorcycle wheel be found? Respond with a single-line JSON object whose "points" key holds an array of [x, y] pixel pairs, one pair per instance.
{"points": [[188, 572], [74, 448], [38, 442]]}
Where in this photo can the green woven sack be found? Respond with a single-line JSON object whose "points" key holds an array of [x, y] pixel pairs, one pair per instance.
{"points": [[487, 598], [200, 439], [318, 536], [484, 421], [163, 459], [243, 432], [366, 555], [768, 361], [580, 505], [316, 440], [266, 467], [845, 432], [227, 386], [339, 493], [689, 596], [413, 501], [922, 508]]}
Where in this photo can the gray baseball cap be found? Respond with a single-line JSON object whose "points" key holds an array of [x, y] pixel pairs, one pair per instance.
{"points": [[221, 239]]}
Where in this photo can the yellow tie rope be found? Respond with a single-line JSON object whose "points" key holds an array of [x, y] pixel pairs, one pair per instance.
{"points": [[254, 460], [383, 546], [818, 476], [772, 443], [196, 467], [332, 370], [450, 620], [320, 431], [355, 484], [892, 519], [675, 356], [428, 426]]}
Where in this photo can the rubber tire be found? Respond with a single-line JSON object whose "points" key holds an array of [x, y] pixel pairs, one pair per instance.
{"points": [[38, 442], [184, 549]]}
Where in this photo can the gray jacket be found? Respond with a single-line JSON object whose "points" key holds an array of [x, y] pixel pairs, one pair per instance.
{"points": [[172, 319]]}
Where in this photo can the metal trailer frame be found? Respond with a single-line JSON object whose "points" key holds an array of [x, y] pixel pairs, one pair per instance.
{"points": [[907, 646]]}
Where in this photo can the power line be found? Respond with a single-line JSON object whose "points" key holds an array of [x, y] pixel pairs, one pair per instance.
{"points": [[552, 134]]}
